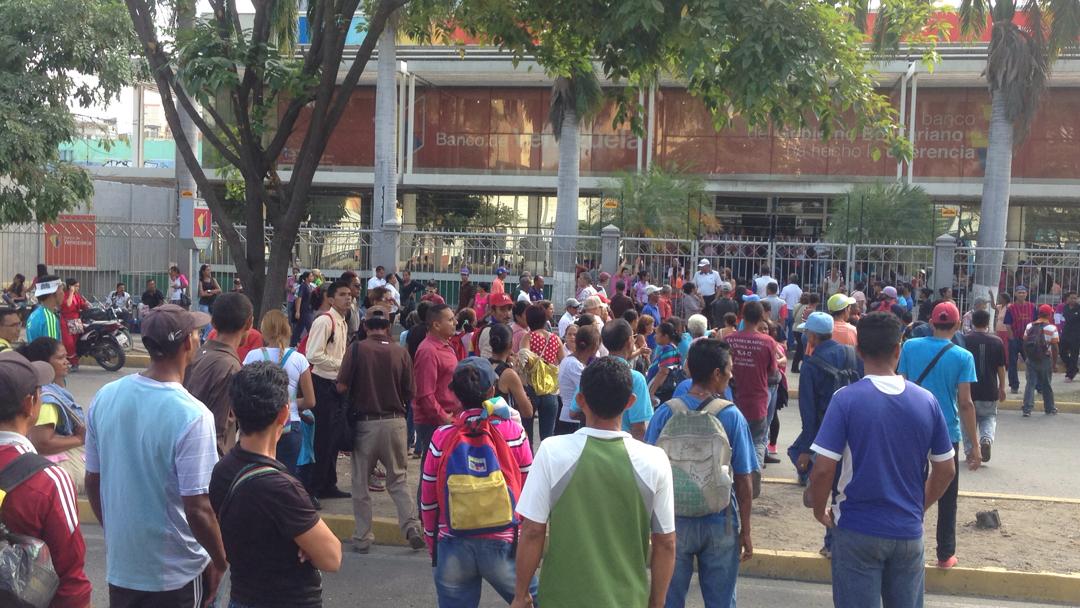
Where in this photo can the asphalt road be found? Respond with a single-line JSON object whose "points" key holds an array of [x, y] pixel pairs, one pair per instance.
{"points": [[1032, 456], [398, 578]]}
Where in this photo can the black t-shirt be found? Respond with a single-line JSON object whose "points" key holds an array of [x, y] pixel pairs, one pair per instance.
{"points": [[264, 516], [1071, 327], [722, 306], [989, 355], [153, 299]]}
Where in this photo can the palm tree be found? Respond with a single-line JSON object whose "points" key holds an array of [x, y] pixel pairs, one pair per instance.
{"points": [[1018, 65], [574, 99], [385, 244]]}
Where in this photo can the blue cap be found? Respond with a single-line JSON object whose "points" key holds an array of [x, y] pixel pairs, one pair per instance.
{"points": [[485, 376], [751, 297], [501, 270], [817, 323]]}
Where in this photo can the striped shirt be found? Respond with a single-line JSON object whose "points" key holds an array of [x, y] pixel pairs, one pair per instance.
{"points": [[42, 322], [432, 498]]}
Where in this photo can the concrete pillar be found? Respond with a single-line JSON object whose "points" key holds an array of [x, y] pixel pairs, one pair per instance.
{"points": [[408, 225], [944, 261], [1014, 235], [535, 254], [609, 249]]}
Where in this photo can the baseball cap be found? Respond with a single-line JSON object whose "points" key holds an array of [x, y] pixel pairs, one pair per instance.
{"points": [[572, 303], [751, 297], [19, 377], [704, 262], [170, 324], [501, 270], [858, 296], [889, 291], [725, 286], [947, 312], [1046, 310], [651, 289], [476, 373], [818, 323], [465, 271], [1021, 288], [47, 288], [591, 302], [500, 299], [839, 301]]}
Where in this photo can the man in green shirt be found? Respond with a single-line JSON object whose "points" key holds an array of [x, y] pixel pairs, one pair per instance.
{"points": [[605, 495]]}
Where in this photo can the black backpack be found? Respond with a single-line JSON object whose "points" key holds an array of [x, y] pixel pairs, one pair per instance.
{"points": [[841, 377], [1036, 348], [666, 391], [27, 577]]}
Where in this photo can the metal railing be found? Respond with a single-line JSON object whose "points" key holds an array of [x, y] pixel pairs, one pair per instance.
{"points": [[1048, 274], [438, 253]]}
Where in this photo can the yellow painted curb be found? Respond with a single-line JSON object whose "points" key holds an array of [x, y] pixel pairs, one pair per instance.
{"points": [[987, 582], [807, 567], [986, 495]]}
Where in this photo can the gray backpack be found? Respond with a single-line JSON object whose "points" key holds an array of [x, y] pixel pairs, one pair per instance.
{"points": [[700, 455]]}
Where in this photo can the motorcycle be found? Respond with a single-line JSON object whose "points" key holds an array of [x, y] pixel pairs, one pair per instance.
{"points": [[104, 337]]}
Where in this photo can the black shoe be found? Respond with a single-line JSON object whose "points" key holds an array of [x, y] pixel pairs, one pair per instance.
{"points": [[334, 493], [1027, 413], [1052, 412], [984, 448], [770, 459], [1015, 390], [316, 504], [416, 540]]}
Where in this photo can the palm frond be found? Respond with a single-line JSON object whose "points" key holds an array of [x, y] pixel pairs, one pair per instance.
{"points": [[1064, 25], [860, 14], [1017, 68], [973, 15], [580, 93], [284, 23]]}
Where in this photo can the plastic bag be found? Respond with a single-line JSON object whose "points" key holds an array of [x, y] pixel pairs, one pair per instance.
{"points": [[27, 577]]}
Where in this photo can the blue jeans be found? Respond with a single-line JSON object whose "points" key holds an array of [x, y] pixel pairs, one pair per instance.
{"points": [[205, 330], [867, 570], [547, 410], [288, 447], [1015, 348], [463, 564], [1038, 376], [717, 551]]}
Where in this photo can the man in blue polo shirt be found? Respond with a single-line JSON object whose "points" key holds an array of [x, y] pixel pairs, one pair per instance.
{"points": [[937, 364], [882, 427], [718, 541], [618, 338]]}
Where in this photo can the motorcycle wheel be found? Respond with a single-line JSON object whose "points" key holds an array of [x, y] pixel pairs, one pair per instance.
{"points": [[110, 356]]}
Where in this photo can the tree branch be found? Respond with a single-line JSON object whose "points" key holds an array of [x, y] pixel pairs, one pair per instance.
{"points": [[288, 119]]}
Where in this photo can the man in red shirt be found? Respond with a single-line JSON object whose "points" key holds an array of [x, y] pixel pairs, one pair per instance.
{"points": [[433, 369], [44, 505], [753, 359], [1017, 316]]}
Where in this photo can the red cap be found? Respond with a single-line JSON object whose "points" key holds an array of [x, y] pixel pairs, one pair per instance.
{"points": [[946, 312], [1046, 311], [500, 299]]}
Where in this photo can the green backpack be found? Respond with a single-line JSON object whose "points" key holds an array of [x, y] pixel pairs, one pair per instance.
{"points": [[700, 455]]}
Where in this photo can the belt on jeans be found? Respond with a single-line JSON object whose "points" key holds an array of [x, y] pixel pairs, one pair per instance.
{"points": [[367, 417]]}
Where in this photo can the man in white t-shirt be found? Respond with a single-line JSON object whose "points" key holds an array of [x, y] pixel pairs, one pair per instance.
{"points": [[761, 283], [379, 280], [706, 281], [791, 294], [573, 307]]}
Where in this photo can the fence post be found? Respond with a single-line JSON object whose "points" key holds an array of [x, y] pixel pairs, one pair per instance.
{"points": [[944, 261], [609, 249]]}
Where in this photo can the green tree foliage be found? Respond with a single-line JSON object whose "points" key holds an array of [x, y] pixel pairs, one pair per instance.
{"points": [[884, 213], [470, 213], [53, 52], [661, 203]]}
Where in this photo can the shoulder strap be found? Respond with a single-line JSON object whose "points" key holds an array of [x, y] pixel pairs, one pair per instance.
{"points": [[677, 406], [933, 362], [249, 472], [285, 358], [22, 468], [819, 362], [715, 405], [265, 354]]}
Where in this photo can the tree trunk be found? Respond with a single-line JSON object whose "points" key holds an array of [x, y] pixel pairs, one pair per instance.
{"points": [[994, 213], [566, 214], [384, 249], [253, 270]]}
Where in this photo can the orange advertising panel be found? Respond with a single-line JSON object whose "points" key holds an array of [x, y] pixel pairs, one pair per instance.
{"points": [[71, 242], [505, 130]]}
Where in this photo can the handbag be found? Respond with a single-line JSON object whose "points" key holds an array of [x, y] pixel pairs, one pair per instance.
{"points": [[76, 326]]}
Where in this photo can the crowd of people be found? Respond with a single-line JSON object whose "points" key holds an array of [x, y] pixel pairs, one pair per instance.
{"points": [[627, 436]]}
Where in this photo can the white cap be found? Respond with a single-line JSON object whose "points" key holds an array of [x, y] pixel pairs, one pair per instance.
{"points": [[651, 289], [46, 288], [704, 262]]}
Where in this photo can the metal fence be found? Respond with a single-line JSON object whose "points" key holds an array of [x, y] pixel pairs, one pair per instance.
{"points": [[1047, 274], [332, 250], [96, 254], [437, 253]]}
